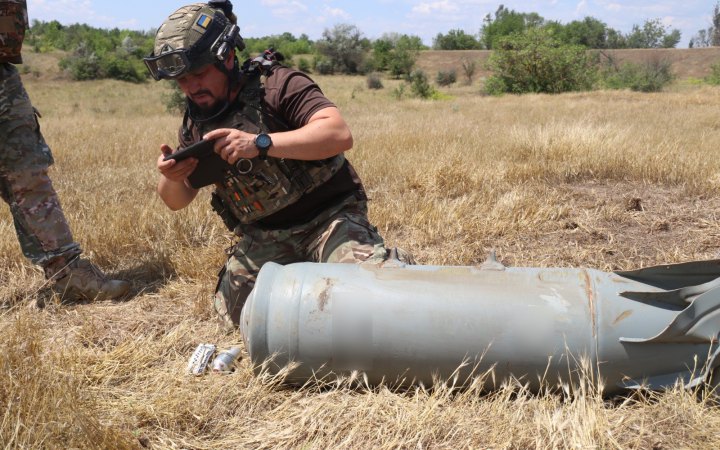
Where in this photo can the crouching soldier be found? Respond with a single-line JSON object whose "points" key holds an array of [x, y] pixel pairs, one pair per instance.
{"points": [[286, 189]]}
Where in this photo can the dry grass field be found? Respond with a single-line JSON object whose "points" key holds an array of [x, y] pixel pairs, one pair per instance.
{"points": [[608, 180]]}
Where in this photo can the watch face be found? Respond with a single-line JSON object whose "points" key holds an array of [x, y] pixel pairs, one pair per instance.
{"points": [[263, 141]]}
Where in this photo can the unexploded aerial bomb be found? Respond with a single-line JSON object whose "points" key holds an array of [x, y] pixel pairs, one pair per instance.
{"points": [[545, 327]]}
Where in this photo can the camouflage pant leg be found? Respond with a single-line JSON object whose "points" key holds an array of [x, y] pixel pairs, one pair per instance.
{"points": [[348, 237], [237, 278], [22, 145], [42, 230], [340, 234]]}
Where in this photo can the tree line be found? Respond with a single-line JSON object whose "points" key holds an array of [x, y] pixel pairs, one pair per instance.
{"points": [[93, 53], [589, 32], [709, 37]]}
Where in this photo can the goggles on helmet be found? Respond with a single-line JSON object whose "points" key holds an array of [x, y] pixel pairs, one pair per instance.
{"points": [[174, 63]]}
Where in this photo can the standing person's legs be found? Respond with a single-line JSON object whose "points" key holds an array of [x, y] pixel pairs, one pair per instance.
{"points": [[42, 230], [44, 235]]}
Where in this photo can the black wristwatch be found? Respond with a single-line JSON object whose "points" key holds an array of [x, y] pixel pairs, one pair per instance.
{"points": [[263, 143]]}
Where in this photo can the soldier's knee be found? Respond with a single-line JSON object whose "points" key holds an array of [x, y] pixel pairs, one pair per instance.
{"points": [[230, 295]]}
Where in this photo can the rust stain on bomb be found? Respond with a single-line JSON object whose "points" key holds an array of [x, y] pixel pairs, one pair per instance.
{"points": [[622, 317], [324, 295]]}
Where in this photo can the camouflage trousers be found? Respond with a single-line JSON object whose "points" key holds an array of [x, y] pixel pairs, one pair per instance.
{"points": [[341, 234], [42, 230]]}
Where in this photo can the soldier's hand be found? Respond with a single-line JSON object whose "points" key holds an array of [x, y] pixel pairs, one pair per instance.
{"points": [[233, 145], [175, 170]]}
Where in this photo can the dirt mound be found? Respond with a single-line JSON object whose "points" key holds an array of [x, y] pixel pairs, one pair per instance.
{"points": [[686, 62]]}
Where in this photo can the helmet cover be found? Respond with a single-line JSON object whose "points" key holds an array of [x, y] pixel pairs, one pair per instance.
{"points": [[186, 40]]}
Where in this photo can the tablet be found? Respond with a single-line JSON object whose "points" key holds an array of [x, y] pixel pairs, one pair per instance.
{"points": [[199, 150], [211, 167]]}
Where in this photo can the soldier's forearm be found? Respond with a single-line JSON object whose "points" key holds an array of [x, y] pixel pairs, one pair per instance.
{"points": [[175, 194]]}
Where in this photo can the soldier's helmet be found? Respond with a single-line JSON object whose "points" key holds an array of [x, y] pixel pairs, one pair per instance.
{"points": [[192, 37]]}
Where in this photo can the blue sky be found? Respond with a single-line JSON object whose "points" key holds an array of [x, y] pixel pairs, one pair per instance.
{"points": [[424, 18]]}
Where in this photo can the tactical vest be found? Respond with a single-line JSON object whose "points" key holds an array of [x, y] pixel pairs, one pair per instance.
{"points": [[13, 22], [264, 187]]}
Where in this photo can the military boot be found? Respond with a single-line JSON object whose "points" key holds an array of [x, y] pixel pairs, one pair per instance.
{"points": [[82, 280]]}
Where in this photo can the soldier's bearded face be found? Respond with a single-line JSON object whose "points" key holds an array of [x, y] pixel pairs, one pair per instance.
{"points": [[206, 87]]}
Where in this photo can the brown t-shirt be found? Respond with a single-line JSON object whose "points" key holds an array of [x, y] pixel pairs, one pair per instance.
{"points": [[291, 98]]}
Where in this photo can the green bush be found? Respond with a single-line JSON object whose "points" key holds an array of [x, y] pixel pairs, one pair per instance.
{"points": [[402, 62], [495, 86], [86, 64], [652, 76], [94, 53], [175, 99], [396, 54], [122, 68], [419, 85], [534, 61], [344, 48], [82, 67], [304, 65], [714, 77], [446, 78], [374, 81], [323, 66]]}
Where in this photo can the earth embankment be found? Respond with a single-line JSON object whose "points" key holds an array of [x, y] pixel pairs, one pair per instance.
{"points": [[686, 62]]}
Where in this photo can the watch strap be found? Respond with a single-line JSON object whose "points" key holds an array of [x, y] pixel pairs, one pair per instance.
{"points": [[263, 152], [263, 149]]}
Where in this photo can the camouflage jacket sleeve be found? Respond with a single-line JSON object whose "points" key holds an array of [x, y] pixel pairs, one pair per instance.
{"points": [[13, 23]]}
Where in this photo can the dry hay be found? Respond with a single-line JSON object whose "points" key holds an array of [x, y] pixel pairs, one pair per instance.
{"points": [[609, 180]]}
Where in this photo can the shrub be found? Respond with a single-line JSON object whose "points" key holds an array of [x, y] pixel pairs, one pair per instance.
{"points": [[174, 100], [82, 67], [344, 47], [419, 85], [444, 78], [374, 81], [469, 68], [534, 61], [85, 64], [402, 62], [323, 66], [304, 65], [714, 77], [495, 86], [652, 76], [123, 68]]}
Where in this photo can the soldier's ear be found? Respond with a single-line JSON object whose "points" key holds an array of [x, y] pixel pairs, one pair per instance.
{"points": [[230, 60]]}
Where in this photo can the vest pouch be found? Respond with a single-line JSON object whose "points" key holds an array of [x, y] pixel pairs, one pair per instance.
{"points": [[222, 210], [298, 175], [272, 185]]}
